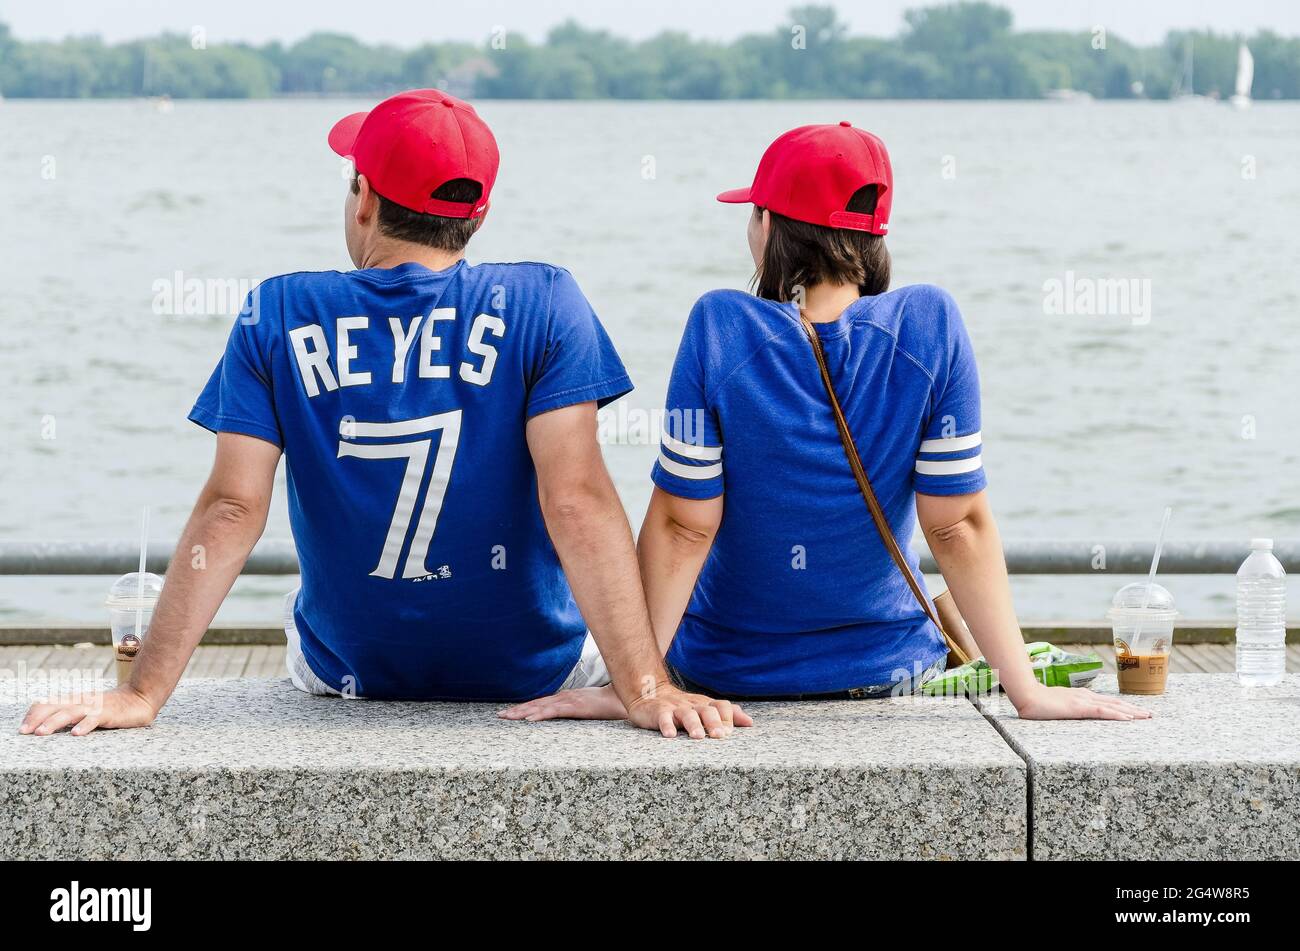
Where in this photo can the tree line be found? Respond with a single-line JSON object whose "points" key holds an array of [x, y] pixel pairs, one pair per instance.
{"points": [[966, 50]]}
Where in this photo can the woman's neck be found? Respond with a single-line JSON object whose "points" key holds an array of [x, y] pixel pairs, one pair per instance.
{"points": [[825, 302]]}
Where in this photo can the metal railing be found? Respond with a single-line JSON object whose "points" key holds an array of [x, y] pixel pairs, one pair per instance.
{"points": [[274, 557]]}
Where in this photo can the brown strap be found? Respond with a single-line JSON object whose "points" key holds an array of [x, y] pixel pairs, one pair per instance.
{"points": [[877, 513]]}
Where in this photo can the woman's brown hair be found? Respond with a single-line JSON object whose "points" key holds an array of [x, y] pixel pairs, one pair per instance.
{"points": [[799, 255]]}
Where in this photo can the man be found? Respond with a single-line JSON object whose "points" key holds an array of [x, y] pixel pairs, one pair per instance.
{"points": [[438, 422]]}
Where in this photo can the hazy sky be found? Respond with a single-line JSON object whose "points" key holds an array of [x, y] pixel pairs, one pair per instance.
{"points": [[407, 22]]}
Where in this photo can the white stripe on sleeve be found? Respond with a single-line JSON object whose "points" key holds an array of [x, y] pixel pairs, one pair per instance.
{"points": [[705, 453], [951, 444], [948, 467], [690, 472]]}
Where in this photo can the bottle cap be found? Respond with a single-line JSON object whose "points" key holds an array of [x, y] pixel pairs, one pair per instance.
{"points": [[1261, 544]]}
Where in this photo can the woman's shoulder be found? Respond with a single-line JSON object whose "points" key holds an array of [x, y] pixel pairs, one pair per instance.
{"points": [[919, 301], [729, 300], [726, 327], [924, 321], [737, 315], [916, 312]]}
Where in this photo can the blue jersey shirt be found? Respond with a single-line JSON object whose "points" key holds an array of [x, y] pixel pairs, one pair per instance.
{"points": [[399, 397], [798, 593]]}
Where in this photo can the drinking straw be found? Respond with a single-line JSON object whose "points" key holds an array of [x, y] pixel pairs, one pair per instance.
{"points": [[1151, 575], [139, 590]]}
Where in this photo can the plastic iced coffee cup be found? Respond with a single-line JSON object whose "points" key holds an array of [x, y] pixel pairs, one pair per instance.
{"points": [[130, 609], [1142, 624]]}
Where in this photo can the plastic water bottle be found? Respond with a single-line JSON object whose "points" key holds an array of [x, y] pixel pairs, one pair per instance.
{"points": [[1261, 617]]}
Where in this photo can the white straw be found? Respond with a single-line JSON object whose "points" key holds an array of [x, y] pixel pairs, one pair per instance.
{"points": [[1151, 575], [139, 590], [1155, 559]]}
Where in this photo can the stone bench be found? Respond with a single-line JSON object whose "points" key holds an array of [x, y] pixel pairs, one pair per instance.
{"points": [[1215, 774], [254, 769]]}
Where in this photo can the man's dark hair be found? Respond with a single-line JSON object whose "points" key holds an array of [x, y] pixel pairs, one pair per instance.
{"points": [[446, 234], [799, 255]]}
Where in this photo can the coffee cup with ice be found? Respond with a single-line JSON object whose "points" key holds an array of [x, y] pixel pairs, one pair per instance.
{"points": [[1142, 623], [130, 604]]}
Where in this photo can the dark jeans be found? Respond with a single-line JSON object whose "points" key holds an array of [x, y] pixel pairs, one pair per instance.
{"points": [[902, 687]]}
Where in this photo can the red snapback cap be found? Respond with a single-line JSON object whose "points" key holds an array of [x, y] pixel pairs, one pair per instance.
{"points": [[811, 172], [412, 143]]}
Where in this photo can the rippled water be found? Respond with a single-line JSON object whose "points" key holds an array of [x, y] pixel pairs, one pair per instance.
{"points": [[1092, 423]]}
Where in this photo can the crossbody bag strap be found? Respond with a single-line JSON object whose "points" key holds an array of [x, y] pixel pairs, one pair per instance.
{"points": [[864, 484]]}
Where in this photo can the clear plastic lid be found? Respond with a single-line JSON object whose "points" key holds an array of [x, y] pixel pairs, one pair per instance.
{"points": [[1130, 600], [125, 593]]}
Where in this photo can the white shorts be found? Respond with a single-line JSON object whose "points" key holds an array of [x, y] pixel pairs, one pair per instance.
{"points": [[590, 671]]}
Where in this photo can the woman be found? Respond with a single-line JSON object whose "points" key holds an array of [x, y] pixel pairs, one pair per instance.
{"points": [[786, 589]]}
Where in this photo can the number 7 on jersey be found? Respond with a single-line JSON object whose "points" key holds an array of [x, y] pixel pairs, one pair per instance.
{"points": [[416, 452]]}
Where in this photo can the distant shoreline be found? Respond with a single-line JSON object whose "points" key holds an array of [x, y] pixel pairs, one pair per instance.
{"points": [[956, 51], [380, 94]]}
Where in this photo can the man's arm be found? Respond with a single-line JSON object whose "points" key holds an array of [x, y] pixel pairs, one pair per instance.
{"points": [[964, 540], [590, 531], [227, 521]]}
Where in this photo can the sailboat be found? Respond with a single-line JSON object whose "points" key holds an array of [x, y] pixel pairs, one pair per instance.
{"points": [[161, 103], [1184, 90], [1245, 78]]}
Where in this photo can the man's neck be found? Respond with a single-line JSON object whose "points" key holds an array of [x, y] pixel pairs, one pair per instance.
{"points": [[825, 302], [390, 254]]}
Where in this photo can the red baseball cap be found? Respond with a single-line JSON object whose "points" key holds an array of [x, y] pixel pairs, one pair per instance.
{"points": [[811, 172], [412, 143]]}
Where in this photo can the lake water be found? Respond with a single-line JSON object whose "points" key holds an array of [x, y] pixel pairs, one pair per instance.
{"points": [[1092, 422]]}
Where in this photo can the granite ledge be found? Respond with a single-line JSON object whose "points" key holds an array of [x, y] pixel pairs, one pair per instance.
{"points": [[254, 769], [1214, 774]]}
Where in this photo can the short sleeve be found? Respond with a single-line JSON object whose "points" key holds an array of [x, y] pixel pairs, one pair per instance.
{"points": [[948, 461], [579, 363], [238, 397], [690, 450]]}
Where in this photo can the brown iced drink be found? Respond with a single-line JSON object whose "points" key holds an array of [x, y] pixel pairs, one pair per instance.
{"points": [[1141, 673], [124, 655]]}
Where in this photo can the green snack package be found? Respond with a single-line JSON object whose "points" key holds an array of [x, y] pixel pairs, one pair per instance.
{"points": [[1051, 665], [1058, 668]]}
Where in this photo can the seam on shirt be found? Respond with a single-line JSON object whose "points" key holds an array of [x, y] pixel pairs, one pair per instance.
{"points": [[709, 398], [533, 408], [898, 348], [391, 277], [214, 421], [588, 386], [227, 418], [550, 315]]}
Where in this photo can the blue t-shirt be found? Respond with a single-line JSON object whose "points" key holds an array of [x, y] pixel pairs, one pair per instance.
{"points": [[798, 593], [400, 397]]}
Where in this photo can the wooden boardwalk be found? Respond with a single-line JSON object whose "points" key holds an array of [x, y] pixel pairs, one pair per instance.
{"points": [[266, 660]]}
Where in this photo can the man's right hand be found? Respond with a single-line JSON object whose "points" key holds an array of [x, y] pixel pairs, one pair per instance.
{"points": [[120, 708], [665, 708]]}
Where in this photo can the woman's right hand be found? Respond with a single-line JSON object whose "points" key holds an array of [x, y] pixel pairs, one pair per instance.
{"points": [[1074, 703]]}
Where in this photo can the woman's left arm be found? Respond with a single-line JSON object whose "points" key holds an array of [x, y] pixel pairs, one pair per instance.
{"points": [[963, 538]]}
